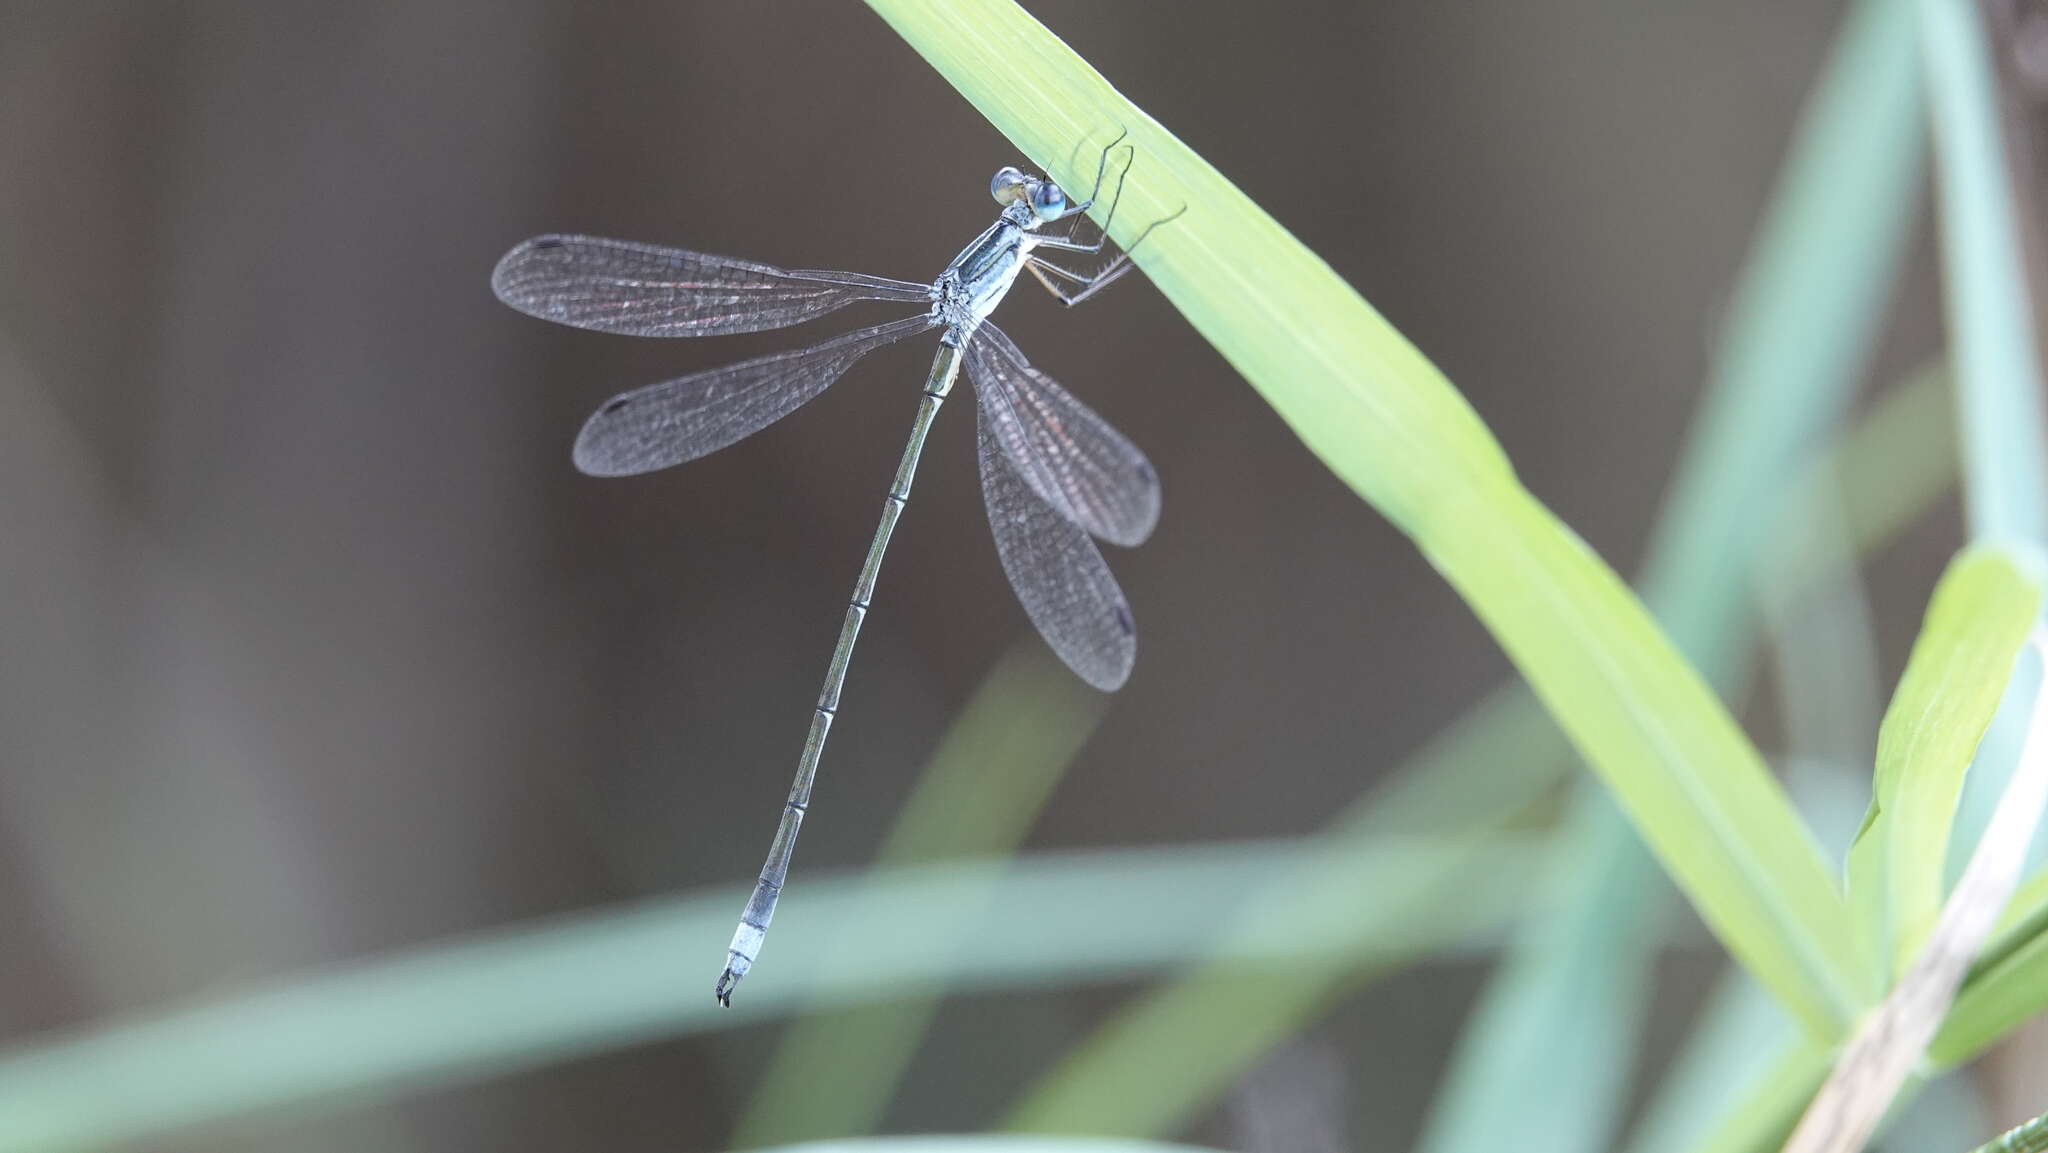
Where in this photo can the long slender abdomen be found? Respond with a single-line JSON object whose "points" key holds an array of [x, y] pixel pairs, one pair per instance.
{"points": [[760, 910]]}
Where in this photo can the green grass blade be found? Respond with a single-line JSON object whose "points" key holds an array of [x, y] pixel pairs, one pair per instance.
{"points": [[1717, 1062], [1804, 315], [1543, 1063], [1890, 469], [835, 1072], [1989, 307], [1997, 756], [1976, 622], [1546, 1057], [1959, 670], [2008, 983], [993, 772], [524, 997], [1387, 423], [1695, 788], [1988, 302], [1222, 1017], [1706, 1081]]}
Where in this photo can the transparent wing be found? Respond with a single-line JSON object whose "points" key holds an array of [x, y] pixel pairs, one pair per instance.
{"points": [[1059, 574], [647, 290], [683, 419], [1069, 456]]}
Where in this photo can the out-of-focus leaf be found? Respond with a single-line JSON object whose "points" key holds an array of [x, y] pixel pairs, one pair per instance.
{"points": [[1706, 1083], [1991, 333], [1223, 1016], [1779, 1088], [583, 984], [1551, 1039], [1898, 460]]}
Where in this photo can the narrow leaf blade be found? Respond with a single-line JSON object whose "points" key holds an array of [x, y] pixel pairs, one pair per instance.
{"points": [[1976, 622]]}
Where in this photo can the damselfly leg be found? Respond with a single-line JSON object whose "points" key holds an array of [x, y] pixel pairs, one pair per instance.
{"points": [[1068, 243], [1080, 286]]}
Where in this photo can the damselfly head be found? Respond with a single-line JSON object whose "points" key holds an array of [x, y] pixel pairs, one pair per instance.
{"points": [[1031, 201], [1009, 186]]}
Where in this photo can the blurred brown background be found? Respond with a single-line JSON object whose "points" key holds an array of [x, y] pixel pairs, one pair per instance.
{"points": [[312, 643]]}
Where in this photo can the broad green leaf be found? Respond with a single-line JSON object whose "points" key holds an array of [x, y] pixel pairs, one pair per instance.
{"points": [[1386, 422], [835, 1072], [1979, 617]]}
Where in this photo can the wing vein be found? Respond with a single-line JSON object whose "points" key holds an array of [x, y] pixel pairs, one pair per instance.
{"points": [[682, 419]]}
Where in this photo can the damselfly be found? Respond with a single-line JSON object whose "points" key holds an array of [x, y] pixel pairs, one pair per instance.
{"points": [[1053, 473]]}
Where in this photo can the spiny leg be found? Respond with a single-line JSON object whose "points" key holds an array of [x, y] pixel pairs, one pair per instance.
{"points": [[1064, 244], [1067, 242], [1101, 167], [1089, 283]]}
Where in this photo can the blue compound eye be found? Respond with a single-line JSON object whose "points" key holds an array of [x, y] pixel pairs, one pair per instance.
{"points": [[1048, 201]]}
